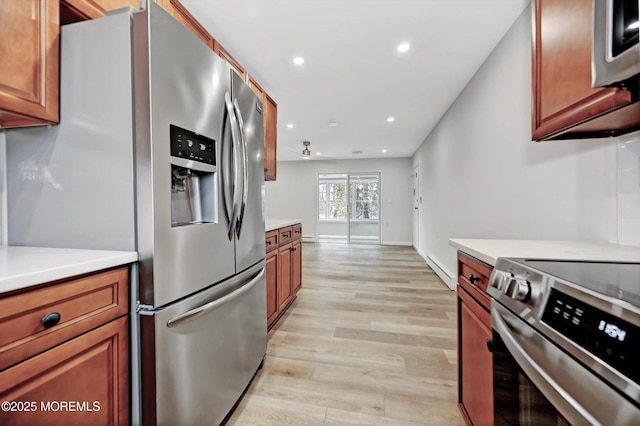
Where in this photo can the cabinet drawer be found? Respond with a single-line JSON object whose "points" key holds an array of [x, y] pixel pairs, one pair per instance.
{"points": [[297, 231], [473, 276], [272, 240], [82, 304], [285, 235]]}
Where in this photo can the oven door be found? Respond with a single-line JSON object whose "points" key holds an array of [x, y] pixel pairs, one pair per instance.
{"points": [[536, 383]]}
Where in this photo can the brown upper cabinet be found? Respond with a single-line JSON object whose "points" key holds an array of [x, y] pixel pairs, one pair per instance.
{"points": [[565, 106], [80, 10], [270, 111], [29, 68]]}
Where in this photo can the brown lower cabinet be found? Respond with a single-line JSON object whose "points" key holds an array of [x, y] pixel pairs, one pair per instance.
{"points": [[283, 269], [64, 353], [475, 361]]}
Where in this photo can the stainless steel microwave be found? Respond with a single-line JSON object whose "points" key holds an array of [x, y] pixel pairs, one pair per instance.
{"points": [[616, 41]]}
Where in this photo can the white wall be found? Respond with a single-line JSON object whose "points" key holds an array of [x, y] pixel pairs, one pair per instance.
{"points": [[483, 177], [295, 194]]}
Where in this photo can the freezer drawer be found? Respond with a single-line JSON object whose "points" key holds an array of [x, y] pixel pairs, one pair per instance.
{"points": [[203, 351]]}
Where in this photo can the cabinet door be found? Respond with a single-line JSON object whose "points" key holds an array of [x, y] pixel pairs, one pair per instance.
{"points": [[563, 99], [29, 64], [475, 361], [296, 266], [178, 11], [285, 293], [270, 137], [272, 287], [80, 382]]}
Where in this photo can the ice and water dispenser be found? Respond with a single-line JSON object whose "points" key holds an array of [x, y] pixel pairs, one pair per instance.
{"points": [[193, 185]]}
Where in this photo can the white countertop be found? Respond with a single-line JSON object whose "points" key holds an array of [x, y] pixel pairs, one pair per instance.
{"points": [[271, 224], [22, 267], [489, 250]]}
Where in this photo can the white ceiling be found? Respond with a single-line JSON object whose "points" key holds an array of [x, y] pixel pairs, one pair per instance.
{"points": [[352, 73]]}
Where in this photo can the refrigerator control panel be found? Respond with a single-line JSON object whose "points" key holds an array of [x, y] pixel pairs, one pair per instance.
{"points": [[192, 146]]}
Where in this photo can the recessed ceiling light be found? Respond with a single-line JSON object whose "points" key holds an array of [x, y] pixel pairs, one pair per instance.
{"points": [[403, 47], [289, 126], [391, 119], [332, 123], [318, 153], [384, 150], [298, 60]]}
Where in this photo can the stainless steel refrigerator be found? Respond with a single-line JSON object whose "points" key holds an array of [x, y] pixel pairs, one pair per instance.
{"points": [[159, 150]]}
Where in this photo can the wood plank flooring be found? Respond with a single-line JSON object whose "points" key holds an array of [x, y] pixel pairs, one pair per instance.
{"points": [[370, 340]]}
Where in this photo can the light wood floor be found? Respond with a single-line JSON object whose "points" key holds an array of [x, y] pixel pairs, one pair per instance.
{"points": [[371, 340]]}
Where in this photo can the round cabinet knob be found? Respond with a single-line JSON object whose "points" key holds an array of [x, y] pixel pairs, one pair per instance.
{"points": [[50, 319], [520, 290]]}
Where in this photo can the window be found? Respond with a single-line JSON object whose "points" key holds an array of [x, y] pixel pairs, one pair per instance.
{"points": [[334, 197], [333, 200]]}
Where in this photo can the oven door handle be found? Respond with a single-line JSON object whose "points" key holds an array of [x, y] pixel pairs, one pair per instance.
{"points": [[574, 389]]}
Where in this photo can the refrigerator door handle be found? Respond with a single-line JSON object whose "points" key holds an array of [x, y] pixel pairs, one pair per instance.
{"points": [[245, 168], [235, 207], [208, 307]]}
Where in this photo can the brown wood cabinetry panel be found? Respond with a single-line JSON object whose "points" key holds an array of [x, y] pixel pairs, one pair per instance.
{"points": [[285, 235], [475, 364], [270, 109], [473, 276], [296, 266], [91, 9], [272, 287], [91, 370], [82, 304], [29, 62], [563, 99], [285, 290], [255, 87], [297, 231], [284, 270], [271, 242]]}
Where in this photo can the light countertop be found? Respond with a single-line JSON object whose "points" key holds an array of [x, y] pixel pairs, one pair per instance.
{"points": [[271, 224], [489, 250], [22, 267]]}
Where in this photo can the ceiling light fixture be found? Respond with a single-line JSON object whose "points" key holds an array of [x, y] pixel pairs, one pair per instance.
{"points": [[391, 119], [384, 150], [333, 124], [289, 126], [403, 47], [298, 60]]}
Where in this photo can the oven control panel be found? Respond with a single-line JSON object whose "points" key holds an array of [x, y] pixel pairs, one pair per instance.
{"points": [[611, 339]]}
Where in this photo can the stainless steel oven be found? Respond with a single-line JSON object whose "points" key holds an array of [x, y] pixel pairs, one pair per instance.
{"points": [[616, 42], [566, 340]]}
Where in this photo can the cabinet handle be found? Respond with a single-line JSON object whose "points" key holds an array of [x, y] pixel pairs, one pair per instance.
{"points": [[266, 170], [473, 279], [490, 345], [268, 243], [50, 320]]}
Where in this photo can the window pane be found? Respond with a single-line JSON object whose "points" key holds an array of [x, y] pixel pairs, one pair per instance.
{"points": [[337, 201], [322, 201]]}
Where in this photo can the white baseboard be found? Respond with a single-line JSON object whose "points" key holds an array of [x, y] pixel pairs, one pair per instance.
{"points": [[307, 239], [395, 243], [441, 271]]}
